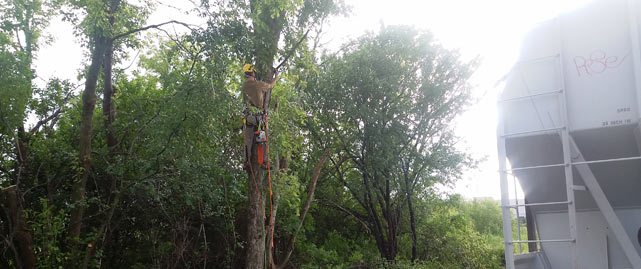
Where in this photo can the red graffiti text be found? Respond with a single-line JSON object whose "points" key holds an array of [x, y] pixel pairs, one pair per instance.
{"points": [[597, 63]]}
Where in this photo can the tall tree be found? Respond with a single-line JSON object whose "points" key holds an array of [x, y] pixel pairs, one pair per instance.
{"points": [[107, 27], [388, 102], [270, 23], [22, 22], [99, 33]]}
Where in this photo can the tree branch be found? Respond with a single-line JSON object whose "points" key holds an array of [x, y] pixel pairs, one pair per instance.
{"points": [[340, 176], [308, 202], [155, 26], [291, 52], [44, 121], [356, 215]]}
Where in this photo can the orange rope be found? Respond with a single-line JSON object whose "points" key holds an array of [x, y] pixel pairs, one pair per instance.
{"points": [[269, 177]]}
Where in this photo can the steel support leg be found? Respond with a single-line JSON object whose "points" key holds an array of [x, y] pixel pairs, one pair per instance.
{"points": [[505, 201]]}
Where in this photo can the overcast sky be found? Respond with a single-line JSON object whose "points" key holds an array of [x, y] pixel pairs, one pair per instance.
{"points": [[489, 29]]}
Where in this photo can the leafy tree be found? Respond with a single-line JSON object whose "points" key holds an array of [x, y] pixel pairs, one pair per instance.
{"points": [[21, 22], [386, 102], [486, 216], [101, 27], [259, 27], [453, 241]]}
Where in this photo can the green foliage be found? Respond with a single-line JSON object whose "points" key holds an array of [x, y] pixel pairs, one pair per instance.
{"points": [[486, 216], [446, 232], [519, 232], [386, 104], [337, 251], [27, 18], [15, 86], [98, 22], [48, 226], [454, 240]]}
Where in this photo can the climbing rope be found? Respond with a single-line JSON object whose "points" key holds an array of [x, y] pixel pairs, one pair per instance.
{"points": [[269, 177]]}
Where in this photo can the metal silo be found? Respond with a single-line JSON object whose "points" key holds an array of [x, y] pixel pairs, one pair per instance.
{"points": [[569, 126]]}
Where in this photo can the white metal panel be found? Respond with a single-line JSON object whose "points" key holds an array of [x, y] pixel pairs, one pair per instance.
{"points": [[597, 246], [598, 70], [537, 72], [598, 66], [606, 209], [591, 239], [631, 221], [530, 260], [554, 226], [536, 45]]}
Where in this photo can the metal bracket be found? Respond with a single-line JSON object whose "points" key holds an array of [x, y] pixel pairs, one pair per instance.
{"points": [[579, 188]]}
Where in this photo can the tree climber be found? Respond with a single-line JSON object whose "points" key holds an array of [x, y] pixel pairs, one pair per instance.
{"points": [[254, 95]]}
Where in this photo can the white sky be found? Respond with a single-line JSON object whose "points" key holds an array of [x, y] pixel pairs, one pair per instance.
{"points": [[491, 29]]}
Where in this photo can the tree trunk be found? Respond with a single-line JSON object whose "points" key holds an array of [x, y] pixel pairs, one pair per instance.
{"points": [[109, 110], [410, 207], [11, 201], [109, 113], [271, 263], [88, 106], [256, 255], [102, 44], [265, 50], [255, 223], [109, 184], [11, 197], [267, 30], [392, 242]]}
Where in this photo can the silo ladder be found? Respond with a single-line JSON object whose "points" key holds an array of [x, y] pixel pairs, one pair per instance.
{"points": [[564, 134]]}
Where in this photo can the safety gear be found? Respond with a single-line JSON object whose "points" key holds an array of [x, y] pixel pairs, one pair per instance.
{"points": [[254, 134], [260, 137], [260, 153], [248, 68], [260, 140]]}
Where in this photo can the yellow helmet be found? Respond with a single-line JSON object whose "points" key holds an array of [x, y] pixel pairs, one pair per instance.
{"points": [[248, 68]]}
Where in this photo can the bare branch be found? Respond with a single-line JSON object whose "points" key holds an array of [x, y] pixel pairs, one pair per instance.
{"points": [[291, 52], [44, 121], [19, 42], [356, 215], [155, 26], [308, 202], [340, 177]]}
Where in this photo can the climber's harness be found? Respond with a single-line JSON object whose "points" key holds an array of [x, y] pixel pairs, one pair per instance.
{"points": [[254, 118]]}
